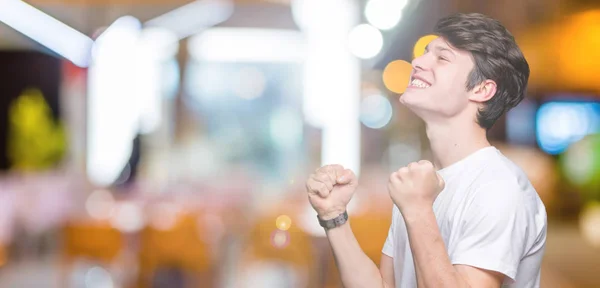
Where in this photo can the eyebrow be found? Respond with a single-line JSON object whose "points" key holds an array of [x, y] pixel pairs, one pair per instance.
{"points": [[440, 48]]}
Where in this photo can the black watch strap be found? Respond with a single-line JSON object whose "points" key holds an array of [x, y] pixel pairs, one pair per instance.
{"points": [[335, 222]]}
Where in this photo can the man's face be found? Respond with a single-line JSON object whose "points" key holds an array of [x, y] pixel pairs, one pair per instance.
{"points": [[437, 85]]}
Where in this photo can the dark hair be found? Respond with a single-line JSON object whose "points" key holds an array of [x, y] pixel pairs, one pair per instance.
{"points": [[496, 57]]}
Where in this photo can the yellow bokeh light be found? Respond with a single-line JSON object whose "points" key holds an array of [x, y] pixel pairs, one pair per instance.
{"points": [[396, 76], [283, 222], [419, 48]]}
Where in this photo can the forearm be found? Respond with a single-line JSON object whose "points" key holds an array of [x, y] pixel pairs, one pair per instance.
{"points": [[357, 270], [432, 263]]}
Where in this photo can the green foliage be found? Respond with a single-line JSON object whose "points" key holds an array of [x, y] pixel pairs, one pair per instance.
{"points": [[36, 141]]}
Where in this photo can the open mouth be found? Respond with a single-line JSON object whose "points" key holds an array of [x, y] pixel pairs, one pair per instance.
{"points": [[419, 83]]}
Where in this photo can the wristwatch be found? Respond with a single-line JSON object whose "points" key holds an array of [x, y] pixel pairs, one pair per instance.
{"points": [[335, 222]]}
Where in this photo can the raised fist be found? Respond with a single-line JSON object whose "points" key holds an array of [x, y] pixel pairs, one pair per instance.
{"points": [[415, 186], [330, 189]]}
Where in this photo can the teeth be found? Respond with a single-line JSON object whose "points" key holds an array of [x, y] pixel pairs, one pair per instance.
{"points": [[419, 83]]}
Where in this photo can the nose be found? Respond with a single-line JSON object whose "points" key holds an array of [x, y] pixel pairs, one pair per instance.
{"points": [[420, 63]]}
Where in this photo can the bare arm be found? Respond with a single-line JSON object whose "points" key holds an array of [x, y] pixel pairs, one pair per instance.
{"points": [[357, 270], [330, 189], [387, 270], [413, 189], [432, 264]]}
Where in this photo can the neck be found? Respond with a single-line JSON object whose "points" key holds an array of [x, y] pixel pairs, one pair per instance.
{"points": [[452, 141]]}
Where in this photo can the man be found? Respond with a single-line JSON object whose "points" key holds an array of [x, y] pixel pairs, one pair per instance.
{"points": [[476, 221]]}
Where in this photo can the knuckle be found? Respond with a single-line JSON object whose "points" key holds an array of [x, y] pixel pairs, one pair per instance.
{"points": [[336, 166], [310, 185], [324, 191], [425, 163], [322, 176], [322, 169]]}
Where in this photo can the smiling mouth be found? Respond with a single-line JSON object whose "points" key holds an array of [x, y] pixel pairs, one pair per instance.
{"points": [[418, 83]]}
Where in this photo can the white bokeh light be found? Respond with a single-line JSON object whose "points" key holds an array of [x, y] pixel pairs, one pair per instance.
{"points": [[48, 31], [129, 217], [164, 216], [98, 277], [384, 14], [249, 83], [375, 111], [112, 117], [100, 204], [331, 77], [365, 41]]}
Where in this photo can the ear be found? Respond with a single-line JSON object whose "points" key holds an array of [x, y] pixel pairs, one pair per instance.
{"points": [[483, 92]]}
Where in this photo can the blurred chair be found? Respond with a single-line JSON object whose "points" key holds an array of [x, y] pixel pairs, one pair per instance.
{"points": [[176, 248], [272, 253], [95, 241]]}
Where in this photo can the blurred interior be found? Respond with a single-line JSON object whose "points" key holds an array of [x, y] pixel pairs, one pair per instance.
{"points": [[155, 143]]}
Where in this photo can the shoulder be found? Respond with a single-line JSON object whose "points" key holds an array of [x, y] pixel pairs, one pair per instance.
{"points": [[502, 185], [503, 189]]}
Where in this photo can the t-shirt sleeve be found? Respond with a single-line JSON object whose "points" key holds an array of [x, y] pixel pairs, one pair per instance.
{"points": [[388, 246], [493, 230]]}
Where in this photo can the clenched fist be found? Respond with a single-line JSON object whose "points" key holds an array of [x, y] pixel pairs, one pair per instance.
{"points": [[415, 186], [330, 189]]}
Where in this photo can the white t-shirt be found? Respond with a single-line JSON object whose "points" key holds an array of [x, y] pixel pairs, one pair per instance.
{"points": [[489, 216]]}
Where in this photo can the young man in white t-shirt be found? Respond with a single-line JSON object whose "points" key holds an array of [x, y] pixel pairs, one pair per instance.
{"points": [[471, 218]]}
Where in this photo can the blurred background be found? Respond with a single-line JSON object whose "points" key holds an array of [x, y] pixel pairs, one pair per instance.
{"points": [[155, 143]]}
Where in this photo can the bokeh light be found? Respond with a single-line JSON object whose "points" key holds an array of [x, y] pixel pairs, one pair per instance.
{"points": [[579, 161], [581, 166], [159, 43], [100, 205], [164, 216], [589, 222], [561, 123], [249, 83], [419, 48], [98, 277], [396, 76], [280, 239], [375, 111], [128, 218], [283, 222], [384, 14], [365, 41]]}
